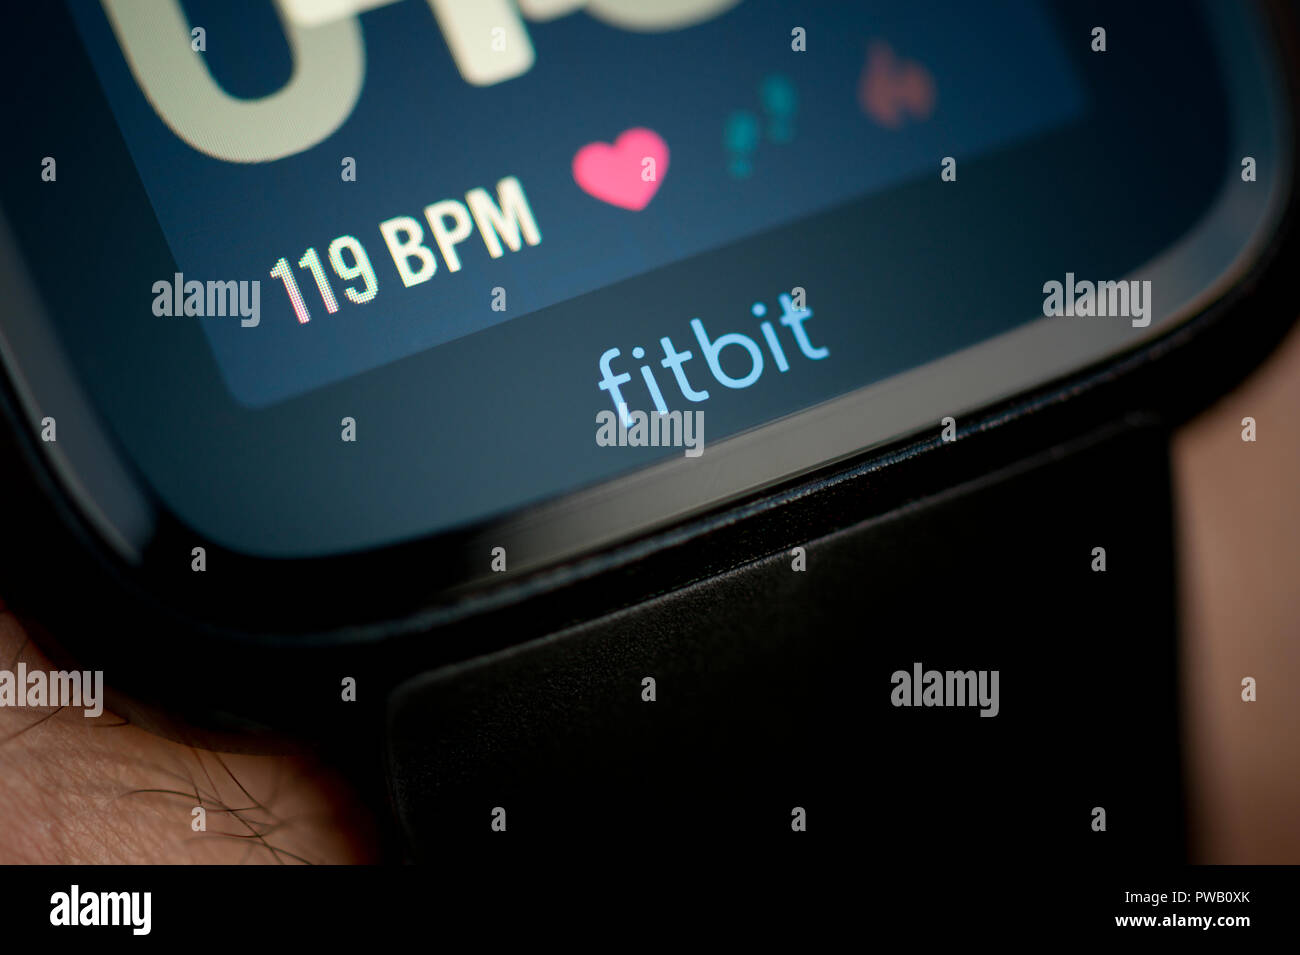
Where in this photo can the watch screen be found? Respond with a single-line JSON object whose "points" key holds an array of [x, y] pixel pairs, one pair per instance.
{"points": [[401, 175], [336, 275]]}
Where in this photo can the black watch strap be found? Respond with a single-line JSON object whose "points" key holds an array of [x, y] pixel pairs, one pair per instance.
{"points": [[778, 710]]}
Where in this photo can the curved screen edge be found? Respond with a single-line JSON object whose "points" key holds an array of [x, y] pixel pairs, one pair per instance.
{"points": [[1229, 237]]}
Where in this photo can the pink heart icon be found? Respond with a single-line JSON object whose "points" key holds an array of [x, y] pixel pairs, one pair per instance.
{"points": [[620, 174]]}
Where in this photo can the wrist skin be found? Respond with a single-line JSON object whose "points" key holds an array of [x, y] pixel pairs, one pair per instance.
{"points": [[97, 790]]}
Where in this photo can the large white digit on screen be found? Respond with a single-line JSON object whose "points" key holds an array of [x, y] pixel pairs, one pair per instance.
{"points": [[490, 44], [329, 65], [659, 16], [487, 39]]}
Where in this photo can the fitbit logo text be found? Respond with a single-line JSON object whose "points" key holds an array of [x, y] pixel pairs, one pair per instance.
{"points": [[744, 354]]}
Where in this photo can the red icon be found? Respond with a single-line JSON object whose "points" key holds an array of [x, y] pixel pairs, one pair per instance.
{"points": [[892, 88]]}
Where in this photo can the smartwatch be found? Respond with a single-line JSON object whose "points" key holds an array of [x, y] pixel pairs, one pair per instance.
{"points": [[605, 418]]}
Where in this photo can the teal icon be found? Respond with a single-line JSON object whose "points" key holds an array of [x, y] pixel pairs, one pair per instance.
{"points": [[742, 132], [741, 135], [781, 103]]}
